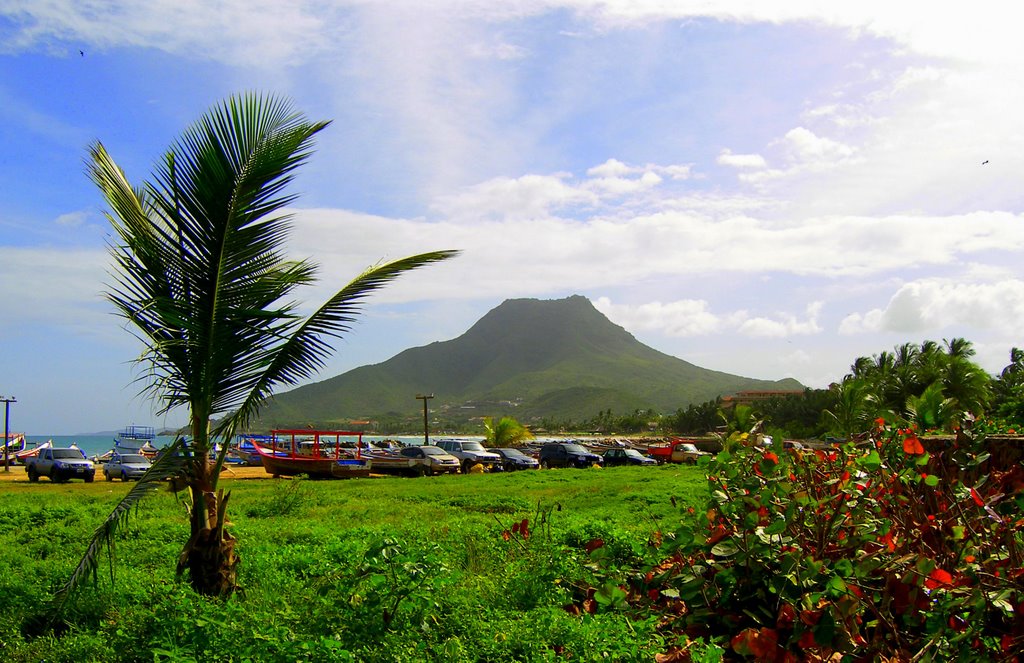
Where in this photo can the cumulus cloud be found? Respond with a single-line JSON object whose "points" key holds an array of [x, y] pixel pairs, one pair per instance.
{"points": [[935, 304], [804, 145], [689, 317], [727, 158]]}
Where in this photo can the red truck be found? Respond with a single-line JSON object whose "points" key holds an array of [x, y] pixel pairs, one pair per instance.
{"points": [[676, 450]]}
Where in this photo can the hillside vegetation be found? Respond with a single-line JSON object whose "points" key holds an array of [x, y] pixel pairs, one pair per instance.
{"points": [[534, 359]]}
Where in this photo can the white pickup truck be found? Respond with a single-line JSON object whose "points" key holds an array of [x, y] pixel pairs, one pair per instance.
{"points": [[60, 465]]}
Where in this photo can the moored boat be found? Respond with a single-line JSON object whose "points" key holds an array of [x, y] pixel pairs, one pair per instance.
{"points": [[136, 440], [320, 454]]}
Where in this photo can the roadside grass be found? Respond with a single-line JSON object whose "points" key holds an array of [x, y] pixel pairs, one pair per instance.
{"points": [[374, 570]]}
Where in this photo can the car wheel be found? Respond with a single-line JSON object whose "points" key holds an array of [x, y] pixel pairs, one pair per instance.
{"points": [[544, 465], [54, 475], [89, 478], [32, 475]]}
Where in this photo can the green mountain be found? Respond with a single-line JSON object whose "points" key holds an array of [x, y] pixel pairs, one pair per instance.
{"points": [[531, 358]]}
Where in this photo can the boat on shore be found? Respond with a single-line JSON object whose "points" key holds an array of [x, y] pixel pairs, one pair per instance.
{"points": [[21, 456], [136, 440], [13, 443], [318, 454]]}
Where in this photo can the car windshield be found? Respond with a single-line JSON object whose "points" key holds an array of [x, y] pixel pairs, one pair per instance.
{"points": [[434, 451], [133, 459], [574, 448], [472, 446], [687, 447], [68, 453], [634, 453], [512, 453]]}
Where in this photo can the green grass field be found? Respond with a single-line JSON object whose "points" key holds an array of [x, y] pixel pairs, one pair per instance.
{"points": [[375, 570]]}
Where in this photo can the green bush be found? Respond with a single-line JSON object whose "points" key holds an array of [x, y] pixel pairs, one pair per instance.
{"points": [[884, 550]]}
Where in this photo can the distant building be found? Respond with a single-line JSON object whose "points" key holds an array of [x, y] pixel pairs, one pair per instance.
{"points": [[757, 396]]}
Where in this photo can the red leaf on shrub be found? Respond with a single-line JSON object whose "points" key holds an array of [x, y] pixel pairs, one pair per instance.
{"points": [[938, 578], [880, 422], [807, 641], [977, 498], [772, 457], [810, 617], [524, 529], [515, 528], [761, 644], [717, 534], [674, 655], [506, 535], [593, 545], [786, 617], [653, 594], [590, 605], [912, 445]]}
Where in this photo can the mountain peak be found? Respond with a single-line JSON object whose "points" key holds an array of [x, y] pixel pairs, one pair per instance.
{"points": [[557, 358]]}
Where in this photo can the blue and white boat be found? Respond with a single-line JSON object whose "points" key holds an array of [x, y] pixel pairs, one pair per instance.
{"points": [[136, 440]]}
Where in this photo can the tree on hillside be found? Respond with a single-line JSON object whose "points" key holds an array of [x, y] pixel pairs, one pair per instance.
{"points": [[201, 276], [506, 432]]}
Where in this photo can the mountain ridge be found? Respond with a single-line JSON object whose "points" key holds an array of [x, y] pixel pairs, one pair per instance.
{"points": [[550, 358]]}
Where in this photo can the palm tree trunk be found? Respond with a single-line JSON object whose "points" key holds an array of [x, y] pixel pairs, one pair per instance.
{"points": [[209, 555]]}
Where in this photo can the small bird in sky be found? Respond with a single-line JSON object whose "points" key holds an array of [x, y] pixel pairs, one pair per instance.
{"points": [[82, 53], [984, 162]]}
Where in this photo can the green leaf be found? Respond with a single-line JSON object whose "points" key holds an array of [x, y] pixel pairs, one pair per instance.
{"points": [[724, 549], [931, 480], [836, 586], [871, 462]]}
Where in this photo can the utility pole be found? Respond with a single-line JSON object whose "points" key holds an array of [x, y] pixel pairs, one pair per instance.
{"points": [[7, 441], [426, 424]]}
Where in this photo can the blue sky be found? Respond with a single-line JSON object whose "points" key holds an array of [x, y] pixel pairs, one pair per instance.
{"points": [[764, 188]]}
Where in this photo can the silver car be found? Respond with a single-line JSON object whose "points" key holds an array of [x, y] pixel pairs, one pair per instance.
{"points": [[126, 466]]}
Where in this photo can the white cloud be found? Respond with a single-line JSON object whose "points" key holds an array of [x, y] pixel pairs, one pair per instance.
{"points": [[727, 158], [784, 324], [690, 317], [71, 219], [935, 304], [804, 145]]}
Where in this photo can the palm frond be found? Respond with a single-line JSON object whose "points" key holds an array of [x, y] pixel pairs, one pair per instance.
{"points": [[169, 464], [306, 349]]}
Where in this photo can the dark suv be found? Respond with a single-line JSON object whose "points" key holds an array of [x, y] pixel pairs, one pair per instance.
{"points": [[567, 454]]}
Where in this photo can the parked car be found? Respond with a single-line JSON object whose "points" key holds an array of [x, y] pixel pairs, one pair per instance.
{"points": [[688, 453], [126, 466], [60, 464], [514, 459], [435, 459], [626, 457], [567, 454], [676, 450], [470, 453]]}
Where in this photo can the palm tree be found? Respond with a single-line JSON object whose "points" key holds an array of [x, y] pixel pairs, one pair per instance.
{"points": [[201, 276], [506, 432], [854, 408]]}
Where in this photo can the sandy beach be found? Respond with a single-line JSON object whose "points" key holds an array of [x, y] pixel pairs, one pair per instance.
{"points": [[17, 473]]}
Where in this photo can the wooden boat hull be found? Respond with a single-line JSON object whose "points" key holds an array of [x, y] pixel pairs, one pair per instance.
{"points": [[282, 464]]}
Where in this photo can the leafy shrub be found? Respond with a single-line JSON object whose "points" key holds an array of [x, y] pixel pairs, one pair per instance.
{"points": [[884, 550]]}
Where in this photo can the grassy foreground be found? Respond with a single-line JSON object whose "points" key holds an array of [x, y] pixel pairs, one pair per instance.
{"points": [[375, 570]]}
